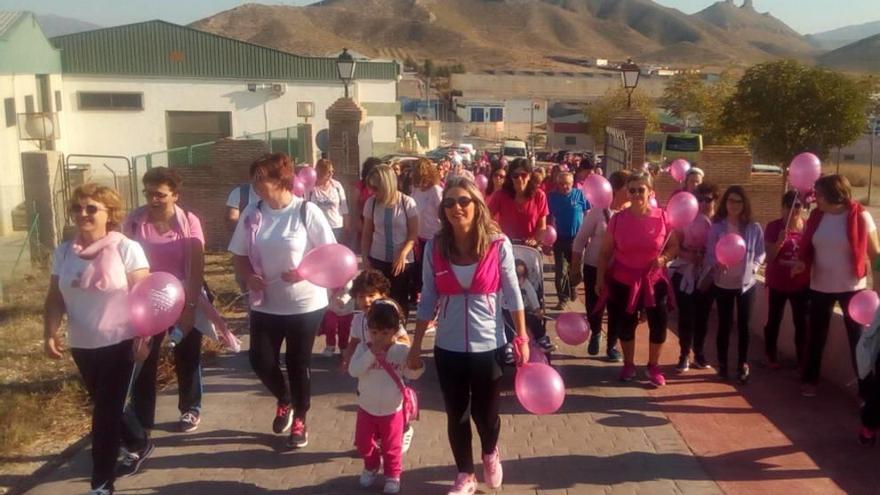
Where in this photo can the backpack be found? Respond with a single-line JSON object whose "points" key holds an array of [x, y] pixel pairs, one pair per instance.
{"points": [[410, 407]]}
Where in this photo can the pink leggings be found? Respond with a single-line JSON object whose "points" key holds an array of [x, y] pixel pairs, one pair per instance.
{"points": [[387, 429], [335, 325]]}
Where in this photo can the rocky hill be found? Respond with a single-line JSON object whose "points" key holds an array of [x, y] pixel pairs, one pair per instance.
{"points": [[517, 33], [861, 56]]}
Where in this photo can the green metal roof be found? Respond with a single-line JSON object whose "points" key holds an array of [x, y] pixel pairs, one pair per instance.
{"points": [[159, 48]]}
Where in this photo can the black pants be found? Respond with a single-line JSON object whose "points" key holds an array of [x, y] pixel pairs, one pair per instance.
{"points": [[471, 386], [725, 300], [267, 333], [106, 373], [595, 317], [871, 411], [626, 322], [415, 274], [140, 414], [399, 284], [775, 310], [821, 306], [693, 318], [561, 264]]}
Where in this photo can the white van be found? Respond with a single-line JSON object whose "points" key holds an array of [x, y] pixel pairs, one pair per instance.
{"points": [[512, 150]]}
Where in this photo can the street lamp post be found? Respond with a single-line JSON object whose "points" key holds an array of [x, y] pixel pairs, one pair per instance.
{"points": [[345, 65], [629, 75]]}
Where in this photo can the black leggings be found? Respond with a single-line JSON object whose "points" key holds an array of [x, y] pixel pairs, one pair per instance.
{"points": [[871, 388], [471, 386], [693, 318], [561, 264], [399, 284], [775, 311], [725, 299], [595, 317], [106, 373], [626, 323], [821, 306], [267, 333]]}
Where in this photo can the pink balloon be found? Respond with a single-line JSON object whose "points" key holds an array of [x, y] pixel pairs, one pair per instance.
{"points": [[863, 307], [572, 328], [539, 388], [730, 249], [330, 266], [803, 171], [678, 169], [308, 176], [299, 188], [155, 304], [547, 236], [536, 354], [682, 209], [598, 191], [482, 182]]}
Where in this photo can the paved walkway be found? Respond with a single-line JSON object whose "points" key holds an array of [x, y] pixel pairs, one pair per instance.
{"points": [[696, 436]]}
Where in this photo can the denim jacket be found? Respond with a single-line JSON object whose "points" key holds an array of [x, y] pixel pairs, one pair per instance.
{"points": [[754, 238]]}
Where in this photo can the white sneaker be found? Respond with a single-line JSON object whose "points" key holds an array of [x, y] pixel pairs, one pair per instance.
{"points": [[432, 328], [368, 478], [392, 486], [329, 351], [100, 491], [407, 438]]}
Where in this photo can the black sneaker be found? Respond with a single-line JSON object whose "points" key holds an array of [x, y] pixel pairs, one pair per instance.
{"points": [[744, 373], [299, 436], [283, 419], [683, 365], [593, 346], [615, 356], [189, 421], [545, 344], [131, 461], [722, 372], [509, 355], [701, 363]]}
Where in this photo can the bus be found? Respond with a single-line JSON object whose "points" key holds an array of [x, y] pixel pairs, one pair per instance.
{"points": [[669, 146]]}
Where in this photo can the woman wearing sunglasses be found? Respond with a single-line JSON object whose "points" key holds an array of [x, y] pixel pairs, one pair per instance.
{"points": [[174, 243], [637, 281], [468, 269], [91, 277], [734, 285], [521, 206], [781, 239], [496, 179], [693, 304]]}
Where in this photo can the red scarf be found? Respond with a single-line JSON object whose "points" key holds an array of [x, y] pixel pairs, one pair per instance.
{"points": [[855, 232]]}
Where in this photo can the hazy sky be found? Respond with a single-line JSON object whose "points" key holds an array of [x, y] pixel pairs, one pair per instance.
{"points": [[805, 16]]}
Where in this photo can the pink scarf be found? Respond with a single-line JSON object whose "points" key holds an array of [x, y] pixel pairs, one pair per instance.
{"points": [[106, 272]]}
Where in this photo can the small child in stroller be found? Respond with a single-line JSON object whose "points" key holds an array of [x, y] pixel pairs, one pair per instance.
{"points": [[533, 310]]}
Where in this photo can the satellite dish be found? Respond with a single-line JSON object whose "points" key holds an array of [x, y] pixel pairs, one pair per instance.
{"points": [[322, 139]]}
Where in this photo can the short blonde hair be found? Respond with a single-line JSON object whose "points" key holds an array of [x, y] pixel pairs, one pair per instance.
{"points": [[104, 195], [384, 181]]}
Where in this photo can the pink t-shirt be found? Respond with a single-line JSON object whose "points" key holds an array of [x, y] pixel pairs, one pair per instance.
{"points": [[637, 239], [519, 221], [165, 252]]}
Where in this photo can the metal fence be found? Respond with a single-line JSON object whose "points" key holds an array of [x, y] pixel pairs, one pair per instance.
{"points": [[618, 150]]}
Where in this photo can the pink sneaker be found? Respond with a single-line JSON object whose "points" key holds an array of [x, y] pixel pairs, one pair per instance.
{"points": [[465, 484], [628, 372], [656, 377], [492, 472]]}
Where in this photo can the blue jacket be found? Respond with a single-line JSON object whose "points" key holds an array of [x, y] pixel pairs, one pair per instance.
{"points": [[754, 237]]}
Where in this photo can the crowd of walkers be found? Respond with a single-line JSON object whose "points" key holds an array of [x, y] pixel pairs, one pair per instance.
{"points": [[431, 240]]}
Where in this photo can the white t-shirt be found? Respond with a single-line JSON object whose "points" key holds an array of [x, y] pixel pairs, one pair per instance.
{"points": [[589, 237], [833, 264], [232, 201], [464, 274], [428, 202], [331, 200], [91, 321], [282, 242], [378, 394], [402, 210], [359, 328]]}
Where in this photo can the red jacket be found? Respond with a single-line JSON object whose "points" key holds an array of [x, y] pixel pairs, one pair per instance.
{"points": [[855, 231]]}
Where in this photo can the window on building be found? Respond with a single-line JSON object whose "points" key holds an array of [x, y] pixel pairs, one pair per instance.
{"points": [[9, 108], [188, 128], [29, 104], [496, 114], [57, 101], [478, 114], [111, 101], [571, 140]]}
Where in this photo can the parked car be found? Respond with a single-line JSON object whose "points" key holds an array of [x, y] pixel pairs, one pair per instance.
{"points": [[512, 149]]}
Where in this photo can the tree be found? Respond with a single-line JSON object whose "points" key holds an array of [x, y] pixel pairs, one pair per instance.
{"points": [[600, 113], [686, 97], [429, 69], [785, 108]]}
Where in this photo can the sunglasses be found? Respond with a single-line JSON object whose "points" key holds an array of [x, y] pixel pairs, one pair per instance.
{"points": [[89, 209], [638, 190], [706, 199], [462, 201], [155, 194], [519, 175]]}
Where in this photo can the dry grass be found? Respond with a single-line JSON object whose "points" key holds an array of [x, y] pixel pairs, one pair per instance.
{"points": [[43, 407]]}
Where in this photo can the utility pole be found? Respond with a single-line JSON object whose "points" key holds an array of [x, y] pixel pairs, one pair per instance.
{"points": [[875, 127]]}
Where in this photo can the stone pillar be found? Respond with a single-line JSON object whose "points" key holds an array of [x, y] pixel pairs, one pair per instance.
{"points": [[39, 172], [634, 124], [344, 119]]}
